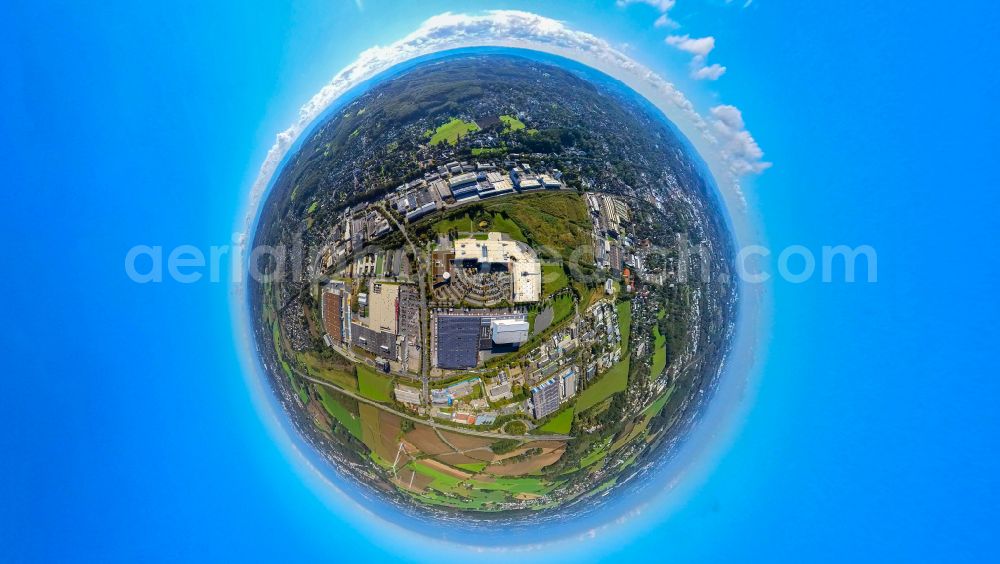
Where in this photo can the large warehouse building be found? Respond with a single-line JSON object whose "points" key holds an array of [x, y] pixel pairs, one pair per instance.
{"points": [[460, 337], [517, 257], [509, 331], [458, 341]]}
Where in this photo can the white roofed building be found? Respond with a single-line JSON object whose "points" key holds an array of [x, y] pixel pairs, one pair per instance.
{"points": [[519, 258], [509, 331]]}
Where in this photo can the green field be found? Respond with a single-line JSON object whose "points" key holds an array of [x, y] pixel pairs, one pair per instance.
{"points": [[511, 123], [659, 353], [337, 373], [474, 467], [515, 485], [452, 131], [598, 453], [625, 324], [554, 220], [465, 224], [553, 279], [504, 225], [374, 386], [648, 414], [654, 408], [440, 478], [614, 381], [563, 306], [556, 223], [560, 424], [339, 412], [462, 224]]}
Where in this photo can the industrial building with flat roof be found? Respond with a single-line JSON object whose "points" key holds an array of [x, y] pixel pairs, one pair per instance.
{"points": [[458, 341], [333, 320], [519, 259], [509, 331], [383, 307], [460, 337]]}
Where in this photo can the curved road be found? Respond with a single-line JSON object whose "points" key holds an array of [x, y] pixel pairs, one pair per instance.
{"points": [[430, 423]]}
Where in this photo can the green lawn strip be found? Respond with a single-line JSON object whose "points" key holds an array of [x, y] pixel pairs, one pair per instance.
{"points": [[654, 408], [553, 279], [659, 354], [637, 430], [470, 494], [379, 460], [560, 424], [299, 389], [504, 225], [615, 380], [625, 324], [452, 131], [339, 412], [598, 454], [474, 467], [631, 460], [562, 308], [648, 415], [374, 386], [477, 501], [515, 485], [532, 314], [601, 487], [461, 224]]}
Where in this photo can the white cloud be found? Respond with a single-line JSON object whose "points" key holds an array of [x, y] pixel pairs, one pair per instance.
{"points": [[699, 47], [742, 153], [710, 72], [665, 21], [508, 28], [661, 6]]}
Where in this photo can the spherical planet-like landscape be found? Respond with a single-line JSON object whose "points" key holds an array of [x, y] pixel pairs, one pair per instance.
{"points": [[493, 287]]}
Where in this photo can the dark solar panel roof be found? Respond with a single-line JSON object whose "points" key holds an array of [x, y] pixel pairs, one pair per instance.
{"points": [[458, 341]]}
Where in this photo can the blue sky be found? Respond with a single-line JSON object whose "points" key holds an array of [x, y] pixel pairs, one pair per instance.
{"points": [[129, 431]]}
